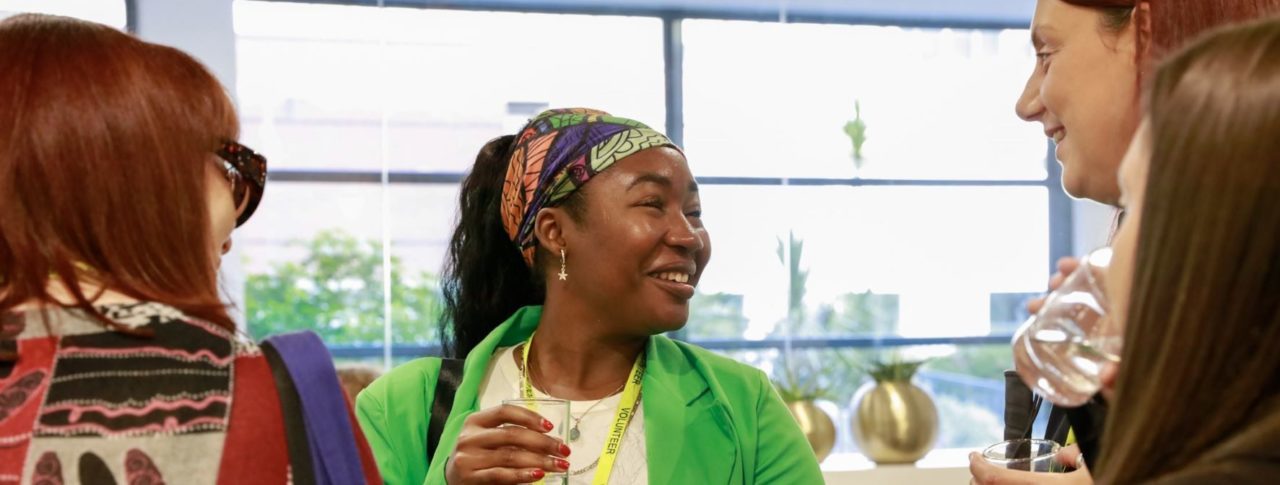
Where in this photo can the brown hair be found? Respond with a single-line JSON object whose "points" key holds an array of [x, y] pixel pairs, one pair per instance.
{"points": [[104, 141], [1175, 22], [1200, 376]]}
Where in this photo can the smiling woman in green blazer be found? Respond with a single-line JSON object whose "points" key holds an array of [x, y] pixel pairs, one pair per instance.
{"points": [[598, 272]]}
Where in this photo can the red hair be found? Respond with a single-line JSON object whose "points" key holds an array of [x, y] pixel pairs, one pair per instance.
{"points": [[104, 141], [1174, 23]]}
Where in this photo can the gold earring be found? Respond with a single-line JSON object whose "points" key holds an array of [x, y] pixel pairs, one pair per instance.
{"points": [[563, 275]]}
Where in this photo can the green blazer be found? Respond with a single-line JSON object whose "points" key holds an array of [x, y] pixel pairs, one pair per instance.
{"points": [[707, 419]]}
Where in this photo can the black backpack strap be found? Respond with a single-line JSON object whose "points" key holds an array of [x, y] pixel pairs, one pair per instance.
{"points": [[446, 387]]}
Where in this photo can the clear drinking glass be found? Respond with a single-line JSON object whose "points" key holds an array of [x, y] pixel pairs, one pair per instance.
{"points": [[1024, 454], [556, 411], [1059, 352]]}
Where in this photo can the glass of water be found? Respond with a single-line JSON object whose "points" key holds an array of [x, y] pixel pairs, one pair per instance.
{"points": [[1059, 352], [556, 411], [1025, 454]]}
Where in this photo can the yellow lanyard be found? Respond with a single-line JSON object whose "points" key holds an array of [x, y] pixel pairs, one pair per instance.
{"points": [[622, 417]]}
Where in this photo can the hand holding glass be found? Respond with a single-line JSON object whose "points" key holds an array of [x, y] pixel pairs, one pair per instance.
{"points": [[1059, 352], [1024, 455], [557, 412]]}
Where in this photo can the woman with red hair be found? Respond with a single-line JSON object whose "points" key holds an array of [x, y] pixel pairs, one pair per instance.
{"points": [[1093, 57], [120, 184]]}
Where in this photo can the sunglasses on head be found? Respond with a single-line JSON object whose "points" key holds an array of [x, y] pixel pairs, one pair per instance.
{"points": [[247, 171]]}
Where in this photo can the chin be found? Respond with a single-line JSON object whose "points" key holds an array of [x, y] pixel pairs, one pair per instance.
{"points": [[670, 319], [1096, 190], [1073, 184]]}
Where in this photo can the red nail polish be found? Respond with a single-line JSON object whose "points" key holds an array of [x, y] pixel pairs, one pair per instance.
{"points": [[547, 425], [562, 464], [564, 449], [537, 474]]}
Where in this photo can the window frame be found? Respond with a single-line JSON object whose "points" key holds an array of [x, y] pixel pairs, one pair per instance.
{"points": [[989, 17]]}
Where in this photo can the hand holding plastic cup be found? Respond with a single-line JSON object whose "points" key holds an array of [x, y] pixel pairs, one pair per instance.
{"points": [[1059, 352]]}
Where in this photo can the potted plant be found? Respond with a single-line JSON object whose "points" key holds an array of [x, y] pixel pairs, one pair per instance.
{"points": [[801, 387], [894, 421], [801, 390]]}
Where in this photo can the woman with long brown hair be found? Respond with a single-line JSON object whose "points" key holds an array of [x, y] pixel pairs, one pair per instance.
{"points": [[120, 184], [1195, 279], [1094, 58]]}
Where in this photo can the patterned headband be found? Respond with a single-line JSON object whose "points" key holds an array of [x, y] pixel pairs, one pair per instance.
{"points": [[555, 154]]}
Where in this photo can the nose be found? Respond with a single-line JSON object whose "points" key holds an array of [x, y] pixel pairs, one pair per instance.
{"points": [[683, 235], [1029, 106]]}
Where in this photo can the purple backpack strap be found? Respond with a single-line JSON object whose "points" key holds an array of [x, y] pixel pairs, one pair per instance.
{"points": [[331, 440]]}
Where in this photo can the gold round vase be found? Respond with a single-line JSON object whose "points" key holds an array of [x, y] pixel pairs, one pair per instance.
{"points": [[894, 422], [816, 425]]}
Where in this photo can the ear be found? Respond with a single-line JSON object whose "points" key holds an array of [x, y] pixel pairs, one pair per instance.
{"points": [[1142, 25], [550, 227]]}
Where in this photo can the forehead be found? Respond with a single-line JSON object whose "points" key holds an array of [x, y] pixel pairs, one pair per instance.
{"points": [[664, 161], [1056, 17]]}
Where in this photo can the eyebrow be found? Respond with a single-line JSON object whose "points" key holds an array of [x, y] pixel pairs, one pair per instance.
{"points": [[1038, 31], [663, 180], [651, 178]]}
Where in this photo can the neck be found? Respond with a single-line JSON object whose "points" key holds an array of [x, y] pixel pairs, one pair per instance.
{"points": [[61, 295], [579, 355]]}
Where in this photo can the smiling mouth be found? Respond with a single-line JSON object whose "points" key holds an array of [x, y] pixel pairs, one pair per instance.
{"points": [[672, 276]]}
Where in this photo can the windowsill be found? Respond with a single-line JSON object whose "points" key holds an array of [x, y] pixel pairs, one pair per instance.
{"points": [[941, 466]]}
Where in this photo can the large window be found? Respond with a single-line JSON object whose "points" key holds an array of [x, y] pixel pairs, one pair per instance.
{"points": [[346, 88], [914, 204], [885, 162], [935, 104], [339, 96]]}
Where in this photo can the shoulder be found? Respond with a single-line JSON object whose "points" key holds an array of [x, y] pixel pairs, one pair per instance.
{"points": [[162, 323], [394, 412], [409, 384]]}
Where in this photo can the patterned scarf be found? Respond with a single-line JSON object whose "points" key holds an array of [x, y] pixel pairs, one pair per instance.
{"points": [[555, 154]]}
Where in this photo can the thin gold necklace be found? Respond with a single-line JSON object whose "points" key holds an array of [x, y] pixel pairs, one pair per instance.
{"points": [[574, 432]]}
